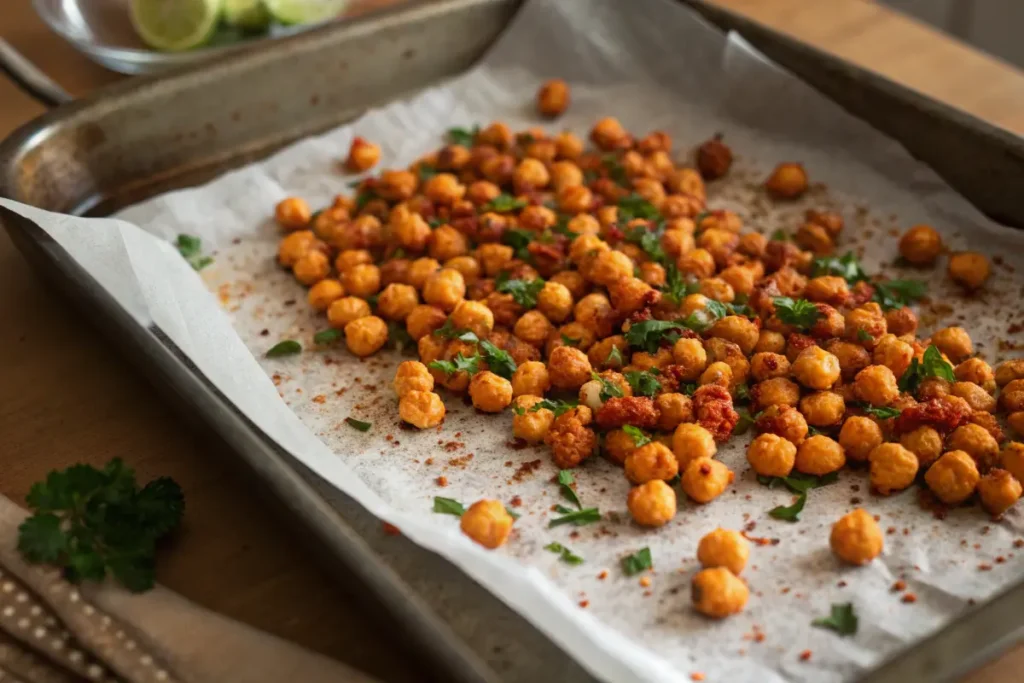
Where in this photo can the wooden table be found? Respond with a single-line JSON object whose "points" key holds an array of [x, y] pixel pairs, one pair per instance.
{"points": [[66, 397]]}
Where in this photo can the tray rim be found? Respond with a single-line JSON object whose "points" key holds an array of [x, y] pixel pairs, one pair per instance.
{"points": [[893, 669]]}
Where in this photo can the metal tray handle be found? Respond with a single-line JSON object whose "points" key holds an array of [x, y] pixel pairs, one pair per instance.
{"points": [[26, 75]]}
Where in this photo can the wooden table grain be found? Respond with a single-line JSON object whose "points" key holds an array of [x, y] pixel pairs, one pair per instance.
{"points": [[66, 397]]}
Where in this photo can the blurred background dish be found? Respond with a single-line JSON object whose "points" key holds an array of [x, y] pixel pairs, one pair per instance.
{"points": [[103, 30]]}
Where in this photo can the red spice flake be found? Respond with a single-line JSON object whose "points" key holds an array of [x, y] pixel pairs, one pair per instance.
{"points": [[428, 461], [984, 567], [899, 586], [891, 530], [855, 500], [785, 590], [976, 546], [526, 470], [1019, 543], [391, 530], [319, 398], [696, 676], [574, 535], [841, 584], [276, 379], [341, 392], [1000, 559], [442, 481], [461, 461], [750, 526], [453, 446], [584, 603], [805, 656], [756, 540], [758, 637], [516, 501], [648, 594], [603, 575], [908, 598], [985, 530], [645, 581], [927, 500]]}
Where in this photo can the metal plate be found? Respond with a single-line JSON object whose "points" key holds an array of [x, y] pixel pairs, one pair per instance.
{"points": [[149, 136]]}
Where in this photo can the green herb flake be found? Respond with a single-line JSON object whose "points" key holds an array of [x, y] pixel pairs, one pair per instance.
{"points": [[460, 363], [565, 482], [864, 336], [288, 347], [643, 383], [512, 513], [190, 248], [845, 266], [676, 286], [435, 223], [498, 360], [799, 313], [932, 364], [325, 337], [576, 517], [841, 619], [426, 172], [556, 407], [399, 338], [648, 335], [640, 438], [615, 356], [745, 422], [98, 522], [883, 413], [615, 170], [524, 292], [463, 136], [637, 562], [781, 235], [609, 389], [792, 512], [365, 197], [358, 424], [570, 341], [449, 331], [565, 555], [504, 203], [448, 506], [519, 240], [634, 206], [898, 293]]}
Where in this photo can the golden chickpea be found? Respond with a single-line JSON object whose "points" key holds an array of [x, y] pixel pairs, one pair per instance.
{"points": [[976, 442], [771, 342], [444, 189], [346, 309], [618, 445], [649, 462], [569, 368], [893, 468], [737, 329], [497, 135], [690, 442], [819, 455], [421, 270], [397, 301], [453, 158], [311, 268], [494, 257], [652, 504], [553, 98], [555, 301], [815, 239], [412, 375], [953, 477], [976, 371], [530, 425], [350, 258], [487, 522], [445, 289], [394, 270], [568, 146], [1007, 371], [852, 357], [576, 199], [473, 316], [787, 181], [409, 230], [953, 342], [876, 385], [766, 365], [705, 479], [859, 436], [530, 175], [901, 321], [423, 320], [325, 293], [292, 213], [608, 134], [977, 398], [827, 289], [533, 328], [489, 392], [595, 313], [771, 455], [609, 266], [1012, 459], [673, 410], [823, 409], [362, 155], [718, 593], [893, 353], [362, 280], [467, 265], [816, 368], [999, 491], [724, 548], [583, 224], [446, 243], [856, 538], [865, 320], [295, 245], [577, 335], [740, 278], [430, 348], [784, 420], [969, 269], [691, 356], [421, 409], [719, 373], [1012, 396], [531, 378], [921, 245], [698, 262], [396, 186], [1016, 421], [603, 353], [365, 336], [775, 391], [565, 174], [925, 443]]}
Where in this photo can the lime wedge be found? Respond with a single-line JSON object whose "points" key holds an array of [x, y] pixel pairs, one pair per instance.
{"points": [[175, 25], [250, 15], [305, 11]]}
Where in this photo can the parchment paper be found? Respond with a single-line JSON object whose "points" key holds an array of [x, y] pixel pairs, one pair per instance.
{"points": [[654, 65]]}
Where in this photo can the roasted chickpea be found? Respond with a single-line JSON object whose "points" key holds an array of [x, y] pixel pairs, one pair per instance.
{"points": [[610, 352], [576, 199], [815, 239], [446, 243], [365, 336], [876, 384], [969, 269], [865, 324], [766, 365], [473, 316], [348, 259], [421, 270], [555, 301], [396, 302], [412, 375], [724, 548], [976, 442], [1016, 422], [487, 522], [445, 289], [893, 468], [698, 262], [977, 398], [530, 425], [718, 373], [823, 409], [652, 504], [976, 371], [690, 355], [705, 479], [714, 159], [497, 134], [953, 477], [362, 155], [363, 280], [494, 257], [769, 341], [325, 293], [553, 98], [608, 134], [717, 592], [396, 186], [1011, 458], [852, 357], [819, 455], [784, 420], [921, 245], [737, 329], [569, 368], [566, 174], [489, 392], [296, 245], [292, 213], [1012, 396], [618, 445], [673, 410], [609, 266], [827, 289], [649, 462], [816, 368], [423, 320], [568, 145], [953, 342], [787, 181], [533, 328], [346, 309], [740, 278], [444, 189], [925, 443], [421, 409], [630, 294], [771, 455], [859, 436], [901, 321], [893, 353], [531, 378], [1008, 371], [311, 268], [999, 491], [430, 348], [856, 538], [690, 442]]}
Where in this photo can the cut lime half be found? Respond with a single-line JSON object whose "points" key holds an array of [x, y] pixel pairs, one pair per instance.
{"points": [[175, 25], [305, 11], [249, 15]]}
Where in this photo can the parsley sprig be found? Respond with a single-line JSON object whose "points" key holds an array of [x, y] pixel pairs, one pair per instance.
{"points": [[555, 406], [676, 286], [463, 136], [799, 484], [898, 293], [460, 363], [649, 335], [565, 482], [575, 517], [609, 389], [504, 203], [841, 619], [524, 292], [932, 364], [94, 522], [846, 266], [565, 555], [644, 383], [637, 562], [191, 249], [799, 313], [640, 438]]}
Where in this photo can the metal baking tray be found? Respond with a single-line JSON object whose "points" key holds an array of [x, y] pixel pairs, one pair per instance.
{"points": [[150, 135]]}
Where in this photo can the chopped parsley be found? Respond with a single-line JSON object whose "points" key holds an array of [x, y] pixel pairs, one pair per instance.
{"points": [[640, 438], [449, 331], [932, 364], [460, 363], [637, 562], [570, 341], [799, 313], [898, 293], [364, 197], [745, 422], [790, 513], [498, 360], [644, 383], [325, 337], [846, 266], [615, 356], [400, 339], [616, 171], [634, 206], [883, 413], [575, 517], [863, 335], [524, 292], [649, 334], [676, 286], [841, 619], [190, 248], [564, 553], [463, 136], [609, 389], [288, 347], [649, 241], [504, 203], [519, 240], [448, 506], [358, 424], [426, 172], [565, 482], [555, 406], [799, 484], [781, 235]]}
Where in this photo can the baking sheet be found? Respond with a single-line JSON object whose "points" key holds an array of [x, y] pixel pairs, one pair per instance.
{"points": [[654, 65]]}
